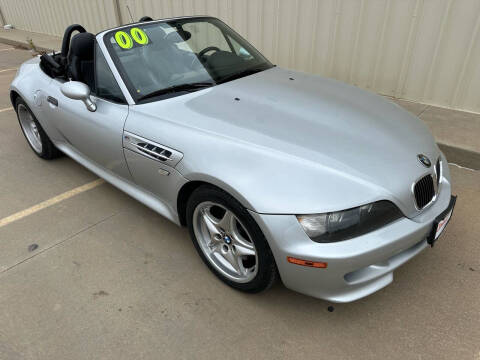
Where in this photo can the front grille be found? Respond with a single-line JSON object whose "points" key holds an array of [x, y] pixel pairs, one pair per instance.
{"points": [[424, 191]]}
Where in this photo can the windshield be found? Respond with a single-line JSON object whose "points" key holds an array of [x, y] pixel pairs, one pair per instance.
{"points": [[169, 58]]}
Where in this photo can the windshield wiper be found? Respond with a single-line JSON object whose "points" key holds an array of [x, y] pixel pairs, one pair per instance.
{"points": [[177, 88], [241, 74]]}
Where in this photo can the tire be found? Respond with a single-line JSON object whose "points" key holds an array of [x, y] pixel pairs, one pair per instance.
{"points": [[36, 137], [222, 245]]}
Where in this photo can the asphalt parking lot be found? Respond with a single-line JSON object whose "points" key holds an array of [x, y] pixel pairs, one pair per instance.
{"points": [[97, 275]]}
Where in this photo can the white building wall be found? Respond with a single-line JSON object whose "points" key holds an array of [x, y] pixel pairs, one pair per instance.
{"points": [[422, 50]]}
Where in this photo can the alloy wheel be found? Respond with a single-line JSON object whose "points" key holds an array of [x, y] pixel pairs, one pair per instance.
{"points": [[30, 128], [225, 242]]}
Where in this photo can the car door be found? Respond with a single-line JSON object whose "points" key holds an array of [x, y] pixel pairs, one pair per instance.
{"points": [[97, 135]]}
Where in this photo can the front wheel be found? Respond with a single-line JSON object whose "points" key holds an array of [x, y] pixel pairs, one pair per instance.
{"points": [[229, 240]]}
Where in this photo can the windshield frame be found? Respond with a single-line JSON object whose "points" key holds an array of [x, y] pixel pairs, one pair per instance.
{"points": [[122, 77]]}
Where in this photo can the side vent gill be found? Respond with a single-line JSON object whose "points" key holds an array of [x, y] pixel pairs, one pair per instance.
{"points": [[151, 149], [155, 151]]}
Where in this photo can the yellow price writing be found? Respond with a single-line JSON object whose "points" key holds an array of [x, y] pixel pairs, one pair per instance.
{"points": [[139, 36], [124, 40]]}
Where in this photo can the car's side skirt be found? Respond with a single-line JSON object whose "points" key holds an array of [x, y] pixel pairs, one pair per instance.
{"points": [[145, 197]]}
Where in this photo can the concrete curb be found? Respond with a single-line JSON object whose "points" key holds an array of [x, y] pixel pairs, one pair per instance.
{"points": [[462, 157], [23, 44]]}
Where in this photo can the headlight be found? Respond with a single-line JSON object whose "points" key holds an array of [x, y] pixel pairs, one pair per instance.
{"points": [[347, 224]]}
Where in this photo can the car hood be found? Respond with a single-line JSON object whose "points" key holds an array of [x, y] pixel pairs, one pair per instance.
{"points": [[298, 130]]}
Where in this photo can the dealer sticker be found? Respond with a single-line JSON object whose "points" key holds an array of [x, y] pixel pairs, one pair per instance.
{"points": [[441, 225]]}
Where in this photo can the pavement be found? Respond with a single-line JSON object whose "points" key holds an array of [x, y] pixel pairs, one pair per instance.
{"points": [[97, 275], [19, 38]]}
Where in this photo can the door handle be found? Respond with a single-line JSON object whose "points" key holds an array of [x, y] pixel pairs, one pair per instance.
{"points": [[52, 100]]}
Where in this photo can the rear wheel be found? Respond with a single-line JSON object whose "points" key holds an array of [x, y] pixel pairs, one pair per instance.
{"points": [[229, 240], [34, 133]]}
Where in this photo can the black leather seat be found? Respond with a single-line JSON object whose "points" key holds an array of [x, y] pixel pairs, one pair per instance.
{"points": [[81, 59]]}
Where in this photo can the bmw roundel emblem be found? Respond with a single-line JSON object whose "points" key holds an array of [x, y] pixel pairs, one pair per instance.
{"points": [[424, 160]]}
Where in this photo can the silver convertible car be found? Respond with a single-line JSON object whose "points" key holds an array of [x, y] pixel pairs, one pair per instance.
{"points": [[275, 173]]}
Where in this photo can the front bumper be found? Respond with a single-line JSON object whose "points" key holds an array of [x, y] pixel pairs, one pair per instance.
{"points": [[356, 267]]}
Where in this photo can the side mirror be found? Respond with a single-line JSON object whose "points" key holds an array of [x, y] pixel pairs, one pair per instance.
{"points": [[77, 90]]}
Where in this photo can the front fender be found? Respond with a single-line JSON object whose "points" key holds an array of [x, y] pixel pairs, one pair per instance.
{"points": [[262, 179], [269, 182], [211, 179]]}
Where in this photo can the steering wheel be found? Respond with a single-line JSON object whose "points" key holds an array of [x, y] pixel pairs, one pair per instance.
{"points": [[207, 49]]}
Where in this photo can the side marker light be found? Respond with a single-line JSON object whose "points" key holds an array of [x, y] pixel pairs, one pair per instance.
{"points": [[315, 264]]}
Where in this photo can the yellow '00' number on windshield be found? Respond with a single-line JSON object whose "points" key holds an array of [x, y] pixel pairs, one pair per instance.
{"points": [[125, 40]]}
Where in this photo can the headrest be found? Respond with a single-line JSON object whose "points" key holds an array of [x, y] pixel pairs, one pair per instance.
{"points": [[67, 35], [82, 46]]}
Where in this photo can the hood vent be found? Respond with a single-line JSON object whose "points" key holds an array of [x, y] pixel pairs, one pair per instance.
{"points": [[151, 149]]}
